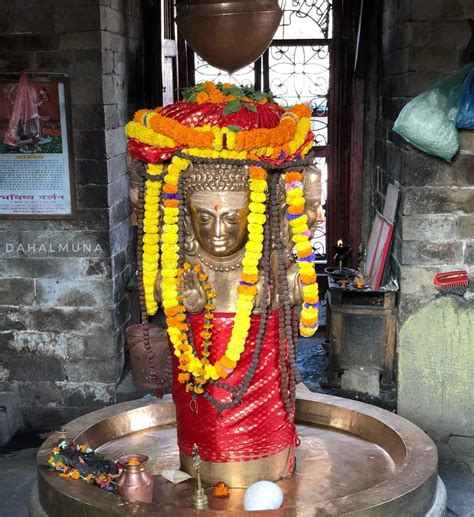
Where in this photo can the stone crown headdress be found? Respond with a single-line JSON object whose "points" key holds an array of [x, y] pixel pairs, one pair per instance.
{"points": [[202, 177]]}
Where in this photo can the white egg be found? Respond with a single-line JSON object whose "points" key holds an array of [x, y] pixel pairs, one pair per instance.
{"points": [[263, 495]]}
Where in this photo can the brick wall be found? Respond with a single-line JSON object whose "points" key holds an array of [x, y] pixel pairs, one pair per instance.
{"points": [[423, 41], [63, 313]]}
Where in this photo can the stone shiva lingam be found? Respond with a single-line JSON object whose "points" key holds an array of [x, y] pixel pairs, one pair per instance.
{"points": [[220, 207], [225, 204]]}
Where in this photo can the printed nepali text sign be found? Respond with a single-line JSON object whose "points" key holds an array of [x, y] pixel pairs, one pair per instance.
{"points": [[35, 148]]}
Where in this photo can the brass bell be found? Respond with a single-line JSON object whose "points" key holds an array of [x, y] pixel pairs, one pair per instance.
{"points": [[231, 34]]}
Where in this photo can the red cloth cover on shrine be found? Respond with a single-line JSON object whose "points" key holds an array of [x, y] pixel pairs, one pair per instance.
{"points": [[255, 428], [193, 115]]}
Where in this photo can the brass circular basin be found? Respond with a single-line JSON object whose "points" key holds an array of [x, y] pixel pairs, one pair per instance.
{"points": [[354, 459]]}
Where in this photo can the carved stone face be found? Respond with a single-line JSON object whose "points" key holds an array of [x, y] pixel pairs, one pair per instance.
{"points": [[219, 221]]}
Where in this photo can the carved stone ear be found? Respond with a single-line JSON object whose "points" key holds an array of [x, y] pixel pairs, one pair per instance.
{"points": [[191, 245], [188, 171]]}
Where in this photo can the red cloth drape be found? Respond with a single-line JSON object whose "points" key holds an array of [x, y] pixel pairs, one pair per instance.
{"points": [[255, 428]]}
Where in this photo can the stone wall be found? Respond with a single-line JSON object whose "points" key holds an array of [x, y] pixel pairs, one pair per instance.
{"points": [[423, 41], [63, 312]]}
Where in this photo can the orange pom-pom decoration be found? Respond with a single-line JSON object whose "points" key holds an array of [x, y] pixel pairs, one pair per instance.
{"points": [[221, 490]]}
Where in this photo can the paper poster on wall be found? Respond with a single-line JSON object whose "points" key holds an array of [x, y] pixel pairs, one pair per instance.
{"points": [[35, 148]]}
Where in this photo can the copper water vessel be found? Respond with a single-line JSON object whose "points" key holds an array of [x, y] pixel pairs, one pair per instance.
{"points": [[135, 484], [228, 34]]}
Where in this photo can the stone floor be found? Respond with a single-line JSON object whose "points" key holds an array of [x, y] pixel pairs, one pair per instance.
{"points": [[18, 474]]}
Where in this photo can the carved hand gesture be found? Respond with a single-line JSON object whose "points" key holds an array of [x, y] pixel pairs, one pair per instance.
{"points": [[194, 297]]}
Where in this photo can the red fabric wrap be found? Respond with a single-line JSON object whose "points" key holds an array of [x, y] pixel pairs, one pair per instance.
{"points": [[257, 427], [192, 115], [149, 153]]}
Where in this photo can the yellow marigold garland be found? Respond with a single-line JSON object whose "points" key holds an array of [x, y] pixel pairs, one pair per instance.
{"points": [[151, 223], [304, 251], [147, 135], [214, 142], [199, 369], [152, 128]]}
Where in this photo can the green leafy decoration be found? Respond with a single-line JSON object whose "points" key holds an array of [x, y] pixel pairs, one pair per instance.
{"points": [[191, 92], [231, 107], [251, 107], [235, 129], [239, 92]]}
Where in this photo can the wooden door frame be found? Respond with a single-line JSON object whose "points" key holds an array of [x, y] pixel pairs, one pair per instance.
{"points": [[344, 210]]}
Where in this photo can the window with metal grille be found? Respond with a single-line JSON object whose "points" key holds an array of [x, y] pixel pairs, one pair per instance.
{"points": [[296, 68]]}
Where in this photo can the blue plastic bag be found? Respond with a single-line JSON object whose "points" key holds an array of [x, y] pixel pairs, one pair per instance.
{"points": [[465, 118], [428, 121]]}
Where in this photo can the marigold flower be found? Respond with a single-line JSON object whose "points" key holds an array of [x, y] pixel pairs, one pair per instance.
{"points": [[209, 86], [246, 289], [222, 372], [308, 279], [202, 97], [250, 279], [172, 203], [170, 189], [183, 377], [257, 173], [216, 96], [221, 490], [227, 362], [290, 177]]}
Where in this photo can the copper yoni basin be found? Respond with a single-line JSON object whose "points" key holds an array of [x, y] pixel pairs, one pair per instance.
{"points": [[354, 459]]}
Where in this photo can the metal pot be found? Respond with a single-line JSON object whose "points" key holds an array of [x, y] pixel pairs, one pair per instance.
{"points": [[228, 35], [135, 484]]}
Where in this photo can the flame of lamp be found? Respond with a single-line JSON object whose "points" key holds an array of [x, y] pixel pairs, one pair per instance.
{"points": [[340, 254], [228, 35]]}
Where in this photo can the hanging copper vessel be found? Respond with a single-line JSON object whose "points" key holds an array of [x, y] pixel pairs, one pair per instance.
{"points": [[231, 34]]}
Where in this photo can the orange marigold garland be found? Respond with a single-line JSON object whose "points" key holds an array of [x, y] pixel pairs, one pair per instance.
{"points": [[289, 136], [196, 371], [196, 383], [292, 137]]}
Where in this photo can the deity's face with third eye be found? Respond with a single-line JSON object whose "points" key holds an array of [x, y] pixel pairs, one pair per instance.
{"points": [[219, 221]]}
